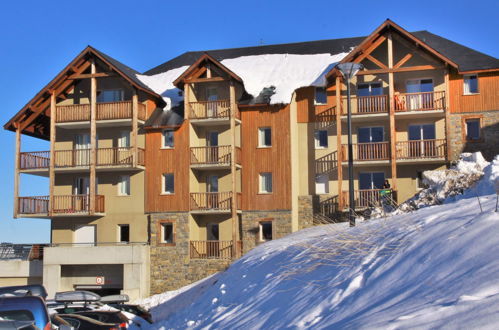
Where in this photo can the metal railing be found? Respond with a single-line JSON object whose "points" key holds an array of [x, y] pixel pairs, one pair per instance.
{"points": [[9, 251], [418, 149], [213, 249]]}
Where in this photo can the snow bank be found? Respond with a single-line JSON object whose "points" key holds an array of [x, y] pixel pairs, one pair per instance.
{"points": [[285, 72], [434, 268]]}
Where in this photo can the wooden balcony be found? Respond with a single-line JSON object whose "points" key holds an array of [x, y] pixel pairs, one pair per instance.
{"points": [[211, 112], [365, 198], [218, 157], [62, 205], [214, 249], [216, 202], [368, 152], [107, 158], [421, 150], [366, 107], [428, 101], [105, 112]]}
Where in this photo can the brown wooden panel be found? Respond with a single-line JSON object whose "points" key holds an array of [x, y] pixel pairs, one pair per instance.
{"points": [[159, 161], [486, 100], [307, 109], [276, 159]]}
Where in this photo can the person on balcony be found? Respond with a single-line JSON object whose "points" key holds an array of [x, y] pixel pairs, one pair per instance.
{"points": [[386, 194]]}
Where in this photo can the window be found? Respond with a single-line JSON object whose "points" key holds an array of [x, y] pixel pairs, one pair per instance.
{"points": [[110, 95], [472, 129], [124, 185], [369, 89], [371, 180], [266, 183], [320, 95], [168, 183], [470, 84], [124, 139], [124, 233], [265, 231], [168, 141], [419, 180], [264, 137], [213, 232], [321, 139], [322, 184], [167, 233]]}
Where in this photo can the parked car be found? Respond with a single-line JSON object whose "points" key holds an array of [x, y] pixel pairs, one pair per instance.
{"points": [[120, 302], [17, 325], [29, 308], [80, 322], [25, 290], [115, 317], [75, 301]]}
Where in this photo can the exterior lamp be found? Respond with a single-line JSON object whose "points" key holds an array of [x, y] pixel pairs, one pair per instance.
{"points": [[348, 71]]}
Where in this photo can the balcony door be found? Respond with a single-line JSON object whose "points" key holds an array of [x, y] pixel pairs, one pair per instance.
{"points": [[420, 96], [212, 190], [422, 140], [212, 144], [82, 149], [212, 97], [365, 103], [368, 183], [367, 147]]}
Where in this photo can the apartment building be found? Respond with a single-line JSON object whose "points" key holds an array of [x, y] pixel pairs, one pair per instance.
{"points": [[159, 179]]}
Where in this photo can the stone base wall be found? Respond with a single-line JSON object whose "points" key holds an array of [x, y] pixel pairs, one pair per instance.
{"points": [[306, 206], [171, 266], [250, 221], [488, 145]]}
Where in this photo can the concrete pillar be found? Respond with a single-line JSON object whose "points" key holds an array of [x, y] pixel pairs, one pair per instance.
{"points": [[51, 279]]}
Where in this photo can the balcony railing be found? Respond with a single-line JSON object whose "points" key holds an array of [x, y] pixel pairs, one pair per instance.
{"points": [[219, 155], [210, 109], [214, 249], [9, 251], [369, 198], [372, 104], [211, 201], [419, 101], [105, 111], [368, 151], [421, 149], [119, 156], [62, 204]]}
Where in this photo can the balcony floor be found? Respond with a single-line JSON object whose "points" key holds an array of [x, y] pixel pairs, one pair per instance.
{"points": [[99, 123], [419, 114], [366, 117], [210, 121], [361, 163], [435, 160]]}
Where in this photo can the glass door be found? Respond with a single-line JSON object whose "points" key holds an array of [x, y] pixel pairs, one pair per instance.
{"points": [[367, 148], [212, 97], [369, 183], [212, 190], [365, 102], [420, 94], [422, 140], [82, 150], [212, 150]]}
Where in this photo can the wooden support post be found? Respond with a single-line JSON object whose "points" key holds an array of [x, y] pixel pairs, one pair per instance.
{"points": [[447, 115], [339, 165], [187, 90], [391, 96], [16, 171], [93, 137], [52, 152], [235, 222], [135, 127]]}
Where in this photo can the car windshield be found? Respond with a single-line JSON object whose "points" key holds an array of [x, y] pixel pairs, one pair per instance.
{"points": [[17, 315]]}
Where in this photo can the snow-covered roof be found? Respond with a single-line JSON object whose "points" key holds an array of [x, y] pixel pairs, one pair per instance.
{"points": [[285, 72]]}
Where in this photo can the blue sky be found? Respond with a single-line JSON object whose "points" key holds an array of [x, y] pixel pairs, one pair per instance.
{"points": [[40, 37]]}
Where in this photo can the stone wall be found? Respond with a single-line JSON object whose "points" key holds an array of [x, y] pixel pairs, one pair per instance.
{"points": [[250, 220], [306, 206], [488, 145], [171, 266]]}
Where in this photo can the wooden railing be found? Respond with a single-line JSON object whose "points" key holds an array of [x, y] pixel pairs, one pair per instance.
{"points": [[76, 204], [419, 101], [326, 116], [210, 109], [34, 160], [372, 104], [418, 149], [61, 204], [368, 198], [329, 207], [327, 163], [81, 157], [105, 111], [212, 249], [219, 155], [221, 201], [368, 151], [34, 205]]}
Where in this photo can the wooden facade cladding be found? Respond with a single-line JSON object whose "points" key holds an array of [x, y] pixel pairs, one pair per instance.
{"points": [[275, 159], [487, 98], [160, 161], [307, 110]]}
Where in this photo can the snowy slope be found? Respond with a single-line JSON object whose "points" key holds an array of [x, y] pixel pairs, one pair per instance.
{"points": [[437, 267]]}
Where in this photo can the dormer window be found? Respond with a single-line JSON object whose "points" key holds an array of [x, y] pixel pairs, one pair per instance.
{"points": [[110, 95]]}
